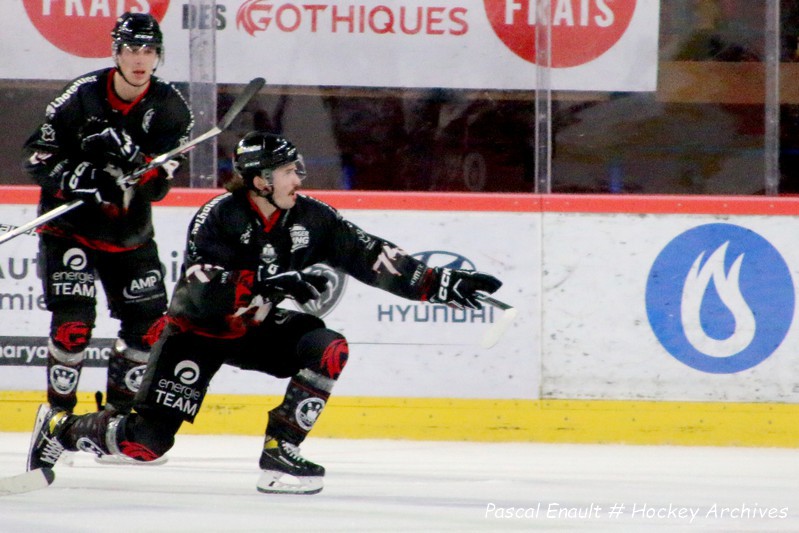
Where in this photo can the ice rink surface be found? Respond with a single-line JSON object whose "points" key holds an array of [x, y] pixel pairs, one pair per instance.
{"points": [[208, 485]]}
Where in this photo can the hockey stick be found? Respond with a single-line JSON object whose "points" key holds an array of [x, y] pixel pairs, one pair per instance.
{"points": [[37, 479], [498, 329], [128, 181]]}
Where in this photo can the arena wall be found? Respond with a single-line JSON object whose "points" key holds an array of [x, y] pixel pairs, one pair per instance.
{"points": [[647, 320]]}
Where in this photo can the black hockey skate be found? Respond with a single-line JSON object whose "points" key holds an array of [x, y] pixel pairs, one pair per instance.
{"points": [[45, 448], [285, 471]]}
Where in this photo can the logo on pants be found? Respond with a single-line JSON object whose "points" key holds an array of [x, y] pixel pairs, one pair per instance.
{"points": [[143, 286], [63, 379], [75, 259], [187, 372], [308, 411]]}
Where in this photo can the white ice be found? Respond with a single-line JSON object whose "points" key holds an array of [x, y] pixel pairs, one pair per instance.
{"points": [[208, 485]]}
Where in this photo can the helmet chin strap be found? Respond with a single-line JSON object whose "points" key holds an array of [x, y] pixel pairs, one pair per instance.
{"points": [[119, 70], [266, 193]]}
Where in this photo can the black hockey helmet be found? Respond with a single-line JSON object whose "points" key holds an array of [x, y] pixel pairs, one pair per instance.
{"points": [[137, 29], [258, 153]]}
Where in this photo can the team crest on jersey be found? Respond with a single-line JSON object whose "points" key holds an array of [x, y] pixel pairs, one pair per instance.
{"points": [[63, 379], [147, 120], [300, 237], [268, 254], [48, 133]]}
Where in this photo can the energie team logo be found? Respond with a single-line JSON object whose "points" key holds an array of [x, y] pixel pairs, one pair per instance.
{"points": [[581, 30], [720, 298], [83, 27]]}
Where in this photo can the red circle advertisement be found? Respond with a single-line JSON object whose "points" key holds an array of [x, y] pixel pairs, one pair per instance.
{"points": [[582, 30], [83, 28]]}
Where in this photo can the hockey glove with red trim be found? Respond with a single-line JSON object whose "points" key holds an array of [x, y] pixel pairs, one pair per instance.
{"points": [[300, 286], [114, 146], [457, 288]]}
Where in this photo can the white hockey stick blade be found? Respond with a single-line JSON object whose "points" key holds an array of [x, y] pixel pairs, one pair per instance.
{"points": [[498, 329], [37, 479]]}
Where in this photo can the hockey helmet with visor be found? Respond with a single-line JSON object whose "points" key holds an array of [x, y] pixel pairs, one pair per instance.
{"points": [[259, 153], [136, 31]]}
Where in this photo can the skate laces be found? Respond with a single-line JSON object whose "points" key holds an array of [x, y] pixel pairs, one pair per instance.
{"points": [[52, 450], [293, 451]]}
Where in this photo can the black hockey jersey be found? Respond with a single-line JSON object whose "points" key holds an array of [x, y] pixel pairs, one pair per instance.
{"points": [[228, 239], [159, 121]]}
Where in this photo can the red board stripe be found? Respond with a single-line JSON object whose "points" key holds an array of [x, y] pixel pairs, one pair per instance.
{"points": [[493, 202]]}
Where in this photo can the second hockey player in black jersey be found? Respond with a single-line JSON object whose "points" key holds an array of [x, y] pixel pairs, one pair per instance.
{"points": [[246, 252]]}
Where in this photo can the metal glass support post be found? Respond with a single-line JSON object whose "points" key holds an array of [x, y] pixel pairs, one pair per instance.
{"points": [[201, 17], [543, 97], [771, 139]]}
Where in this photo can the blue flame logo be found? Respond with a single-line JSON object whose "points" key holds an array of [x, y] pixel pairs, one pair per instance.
{"points": [[720, 298]]}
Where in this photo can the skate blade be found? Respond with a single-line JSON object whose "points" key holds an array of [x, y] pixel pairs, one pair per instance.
{"points": [[273, 482], [125, 460]]}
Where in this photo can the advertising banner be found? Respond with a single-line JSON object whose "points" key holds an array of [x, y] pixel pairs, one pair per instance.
{"points": [[597, 45], [398, 347], [670, 307], [619, 298]]}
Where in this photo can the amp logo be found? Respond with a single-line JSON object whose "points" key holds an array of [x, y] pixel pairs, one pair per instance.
{"points": [[720, 298]]}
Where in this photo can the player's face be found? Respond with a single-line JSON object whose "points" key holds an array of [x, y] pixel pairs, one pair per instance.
{"points": [[137, 62], [286, 181]]}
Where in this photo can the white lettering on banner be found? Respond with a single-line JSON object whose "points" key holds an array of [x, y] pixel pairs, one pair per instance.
{"points": [[77, 8], [573, 23], [563, 13]]}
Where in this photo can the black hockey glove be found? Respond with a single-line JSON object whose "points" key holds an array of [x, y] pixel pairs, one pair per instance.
{"points": [[458, 287], [300, 286], [114, 146], [90, 184]]}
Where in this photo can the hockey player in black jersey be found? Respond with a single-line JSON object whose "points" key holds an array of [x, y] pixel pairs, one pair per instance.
{"points": [[246, 252], [103, 125]]}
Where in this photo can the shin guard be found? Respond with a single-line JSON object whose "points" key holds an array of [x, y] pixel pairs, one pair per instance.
{"points": [[63, 374], [126, 368], [305, 398]]}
